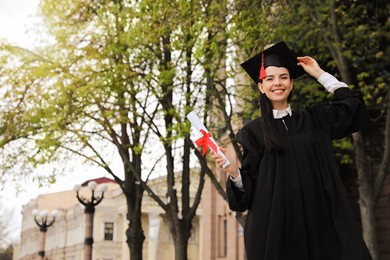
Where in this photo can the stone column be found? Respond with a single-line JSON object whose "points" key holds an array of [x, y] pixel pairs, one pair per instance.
{"points": [[154, 228]]}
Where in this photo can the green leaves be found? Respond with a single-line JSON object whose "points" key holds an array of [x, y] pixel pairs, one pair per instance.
{"points": [[344, 150], [117, 69]]}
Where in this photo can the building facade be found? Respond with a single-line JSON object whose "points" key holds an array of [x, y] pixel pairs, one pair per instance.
{"points": [[215, 235]]}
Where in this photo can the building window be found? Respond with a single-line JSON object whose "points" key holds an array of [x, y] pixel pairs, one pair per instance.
{"points": [[222, 250], [108, 231]]}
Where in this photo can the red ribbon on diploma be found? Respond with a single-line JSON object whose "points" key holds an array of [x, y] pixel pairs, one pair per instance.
{"points": [[205, 142]]}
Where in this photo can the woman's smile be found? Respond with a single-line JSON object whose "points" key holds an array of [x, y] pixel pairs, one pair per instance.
{"points": [[278, 91]]}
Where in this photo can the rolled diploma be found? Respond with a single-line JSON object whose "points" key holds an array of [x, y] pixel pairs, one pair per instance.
{"points": [[195, 121]]}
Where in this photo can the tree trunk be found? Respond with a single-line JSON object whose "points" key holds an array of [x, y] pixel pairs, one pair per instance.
{"points": [[181, 232], [134, 233], [135, 237], [181, 248], [365, 182], [134, 192], [366, 200]]}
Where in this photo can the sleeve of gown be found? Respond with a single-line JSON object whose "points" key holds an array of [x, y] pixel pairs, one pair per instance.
{"points": [[345, 115], [240, 200]]}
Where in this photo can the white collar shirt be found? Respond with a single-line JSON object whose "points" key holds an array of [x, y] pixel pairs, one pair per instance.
{"points": [[282, 113]]}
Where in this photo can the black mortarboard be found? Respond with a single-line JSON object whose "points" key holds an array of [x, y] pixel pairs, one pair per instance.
{"points": [[279, 55]]}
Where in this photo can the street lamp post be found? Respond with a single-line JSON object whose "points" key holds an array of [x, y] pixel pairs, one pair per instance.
{"points": [[89, 204], [43, 221]]}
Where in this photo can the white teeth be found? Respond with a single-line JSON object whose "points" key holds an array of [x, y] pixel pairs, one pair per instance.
{"points": [[278, 91]]}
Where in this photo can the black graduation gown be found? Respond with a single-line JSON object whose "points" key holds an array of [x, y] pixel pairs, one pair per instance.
{"points": [[297, 205]]}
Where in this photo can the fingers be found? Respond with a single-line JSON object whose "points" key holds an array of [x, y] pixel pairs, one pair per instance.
{"points": [[217, 158], [219, 161], [306, 60], [214, 155]]}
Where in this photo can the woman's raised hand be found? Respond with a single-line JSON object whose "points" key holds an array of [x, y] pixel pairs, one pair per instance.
{"points": [[311, 66]]}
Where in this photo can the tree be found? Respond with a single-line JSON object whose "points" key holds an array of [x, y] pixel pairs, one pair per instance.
{"points": [[80, 96], [104, 85], [174, 47]]}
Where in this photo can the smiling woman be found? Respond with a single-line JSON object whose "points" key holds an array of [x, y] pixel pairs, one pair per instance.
{"points": [[289, 180]]}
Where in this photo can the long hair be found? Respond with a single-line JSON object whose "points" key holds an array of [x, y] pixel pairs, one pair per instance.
{"points": [[272, 138]]}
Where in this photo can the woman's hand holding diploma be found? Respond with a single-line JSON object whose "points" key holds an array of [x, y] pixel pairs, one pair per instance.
{"points": [[231, 169]]}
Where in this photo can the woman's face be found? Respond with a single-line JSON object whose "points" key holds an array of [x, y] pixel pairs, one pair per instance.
{"points": [[277, 86]]}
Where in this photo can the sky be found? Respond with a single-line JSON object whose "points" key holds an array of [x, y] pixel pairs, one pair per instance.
{"points": [[15, 15], [16, 19]]}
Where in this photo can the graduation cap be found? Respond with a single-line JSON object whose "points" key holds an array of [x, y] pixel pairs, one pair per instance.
{"points": [[279, 55]]}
